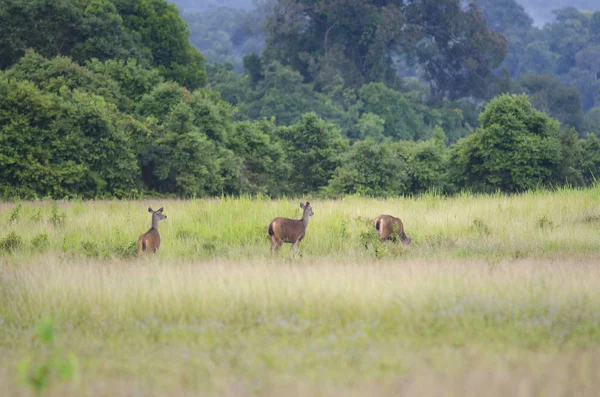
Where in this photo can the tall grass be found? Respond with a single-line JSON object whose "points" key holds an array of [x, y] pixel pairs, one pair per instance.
{"points": [[498, 295], [537, 224], [209, 326]]}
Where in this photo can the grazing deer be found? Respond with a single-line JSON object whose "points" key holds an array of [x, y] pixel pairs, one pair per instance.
{"points": [[285, 230], [384, 224], [150, 241]]}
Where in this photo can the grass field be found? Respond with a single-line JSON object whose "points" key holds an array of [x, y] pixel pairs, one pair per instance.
{"points": [[498, 295]]}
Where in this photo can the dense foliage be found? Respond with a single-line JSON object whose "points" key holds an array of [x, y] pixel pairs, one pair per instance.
{"points": [[108, 98]]}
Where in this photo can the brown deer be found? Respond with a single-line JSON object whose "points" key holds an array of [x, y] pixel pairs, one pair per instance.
{"points": [[285, 230], [150, 241], [384, 224]]}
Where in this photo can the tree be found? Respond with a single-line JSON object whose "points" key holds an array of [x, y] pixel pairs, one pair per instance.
{"points": [[225, 34], [134, 80], [426, 163], [516, 148], [538, 58], [590, 159], [149, 31], [370, 169], [353, 38], [401, 120], [165, 34], [509, 18], [181, 159], [591, 122], [314, 149], [67, 143], [282, 94], [371, 126], [548, 95], [66, 27], [457, 50], [186, 152], [264, 166]]}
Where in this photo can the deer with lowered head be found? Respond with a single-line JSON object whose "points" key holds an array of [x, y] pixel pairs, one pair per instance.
{"points": [[285, 230], [384, 224], [150, 241]]}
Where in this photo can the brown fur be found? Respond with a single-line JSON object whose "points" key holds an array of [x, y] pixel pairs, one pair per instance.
{"points": [[150, 241], [384, 224], [285, 230]]}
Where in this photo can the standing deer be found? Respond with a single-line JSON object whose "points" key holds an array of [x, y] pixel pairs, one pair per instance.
{"points": [[285, 230], [384, 224], [150, 241]]}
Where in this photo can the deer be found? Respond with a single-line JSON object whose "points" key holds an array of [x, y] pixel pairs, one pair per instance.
{"points": [[150, 241], [285, 230], [384, 224]]}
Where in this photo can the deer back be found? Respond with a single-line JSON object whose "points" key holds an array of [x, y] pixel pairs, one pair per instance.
{"points": [[149, 241]]}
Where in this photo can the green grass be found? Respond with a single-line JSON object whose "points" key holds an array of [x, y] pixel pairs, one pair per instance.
{"points": [[539, 225], [497, 295]]}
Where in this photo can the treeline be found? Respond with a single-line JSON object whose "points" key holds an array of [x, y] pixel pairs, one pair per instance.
{"points": [[542, 11], [115, 102], [557, 64]]}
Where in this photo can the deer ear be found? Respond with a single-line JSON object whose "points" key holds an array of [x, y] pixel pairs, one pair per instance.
{"points": [[150, 209], [301, 205], [160, 209]]}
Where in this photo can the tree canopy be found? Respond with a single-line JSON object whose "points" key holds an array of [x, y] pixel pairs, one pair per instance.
{"points": [[108, 98]]}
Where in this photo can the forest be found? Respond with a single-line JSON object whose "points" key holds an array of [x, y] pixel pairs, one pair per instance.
{"points": [[130, 99]]}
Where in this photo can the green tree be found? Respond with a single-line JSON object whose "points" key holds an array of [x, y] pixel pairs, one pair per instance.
{"points": [[401, 120], [225, 34], [165, 34], [180, 159], [548, 95], [66, 27], [283, 94], [354, 38], [371, 126], [457, 51], [314, 149], [426, 163], [370, 169], [134, 80], [515, 149], [509, 18], [264, 166], [591, 122], [186, 152], [70, 143], [590, 159]]}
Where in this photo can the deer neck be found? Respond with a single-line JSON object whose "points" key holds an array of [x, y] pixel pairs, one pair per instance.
{"points": [[155, 222], [305, 218]]}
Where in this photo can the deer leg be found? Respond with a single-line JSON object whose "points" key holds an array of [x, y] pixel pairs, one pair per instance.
{"points": [[295, 246], [275, 244]]}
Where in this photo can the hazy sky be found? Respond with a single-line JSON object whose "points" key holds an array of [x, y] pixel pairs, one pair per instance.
{"points": [[540, 10]]}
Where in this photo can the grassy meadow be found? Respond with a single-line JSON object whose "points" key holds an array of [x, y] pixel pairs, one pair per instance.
{"points": [[497, 295]]}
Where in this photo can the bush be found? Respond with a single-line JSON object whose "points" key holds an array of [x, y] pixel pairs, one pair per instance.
{"points": [[370, 169], [516, 148], [11, 242], [40, 242]]}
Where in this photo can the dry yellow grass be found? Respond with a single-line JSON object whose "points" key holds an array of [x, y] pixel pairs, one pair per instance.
{"points": [[497, 296]]}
